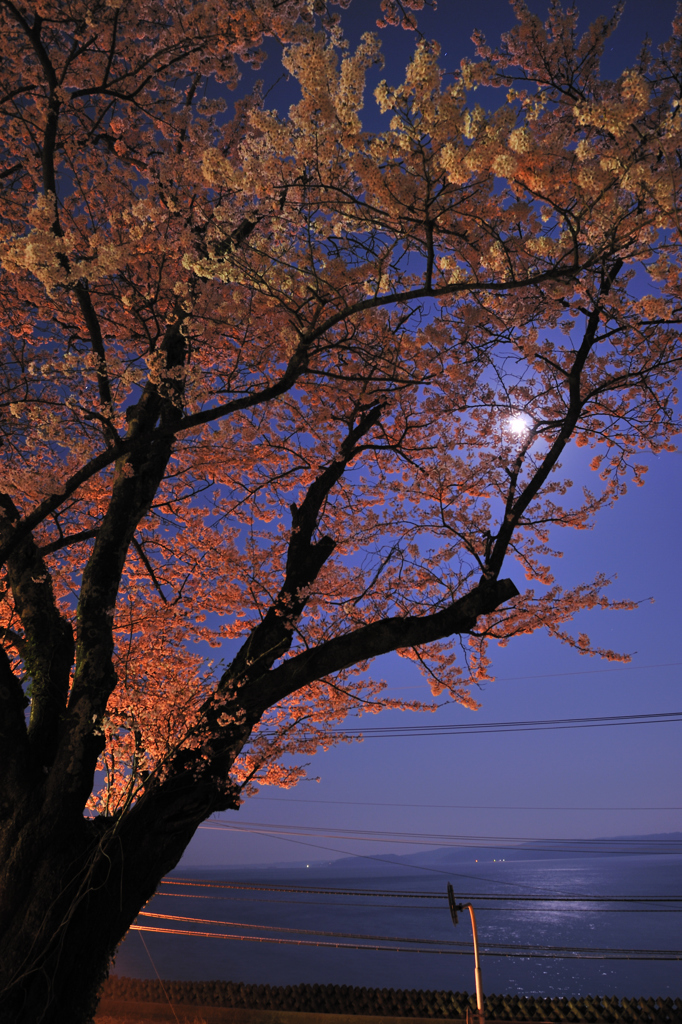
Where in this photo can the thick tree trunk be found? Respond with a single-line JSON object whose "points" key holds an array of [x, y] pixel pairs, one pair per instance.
{"points": [[67, 898]]}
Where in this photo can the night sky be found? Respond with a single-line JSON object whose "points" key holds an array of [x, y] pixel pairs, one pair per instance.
{"points": [[577, 783]]}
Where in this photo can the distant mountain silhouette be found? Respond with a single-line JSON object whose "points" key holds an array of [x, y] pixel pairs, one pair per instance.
{"points": [[444, 857]]}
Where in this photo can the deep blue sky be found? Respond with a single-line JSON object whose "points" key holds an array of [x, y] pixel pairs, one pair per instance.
{"points": [[388, 784]]}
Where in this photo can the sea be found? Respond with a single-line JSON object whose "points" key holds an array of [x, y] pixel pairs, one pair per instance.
{"points": [[606, 925]]}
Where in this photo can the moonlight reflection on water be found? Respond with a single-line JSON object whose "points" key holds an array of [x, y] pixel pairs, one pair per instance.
{"points": [[588, 924]]}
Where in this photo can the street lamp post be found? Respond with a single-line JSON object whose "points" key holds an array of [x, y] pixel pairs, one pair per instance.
{"points": [[454, 908]]}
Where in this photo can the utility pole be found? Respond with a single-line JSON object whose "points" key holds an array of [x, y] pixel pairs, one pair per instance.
{"points": [[454, 908]]}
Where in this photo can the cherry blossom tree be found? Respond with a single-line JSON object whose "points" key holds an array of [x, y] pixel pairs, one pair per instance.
{"points": [[296, 394]]}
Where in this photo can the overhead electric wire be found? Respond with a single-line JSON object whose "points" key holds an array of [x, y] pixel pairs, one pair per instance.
{"points": [[401, 938], [586, 672], [669, 955], [308, 931], [430, 910], [563, 845], [413, 894], [597, 842], [530, 725], [296, 942], [319, 890], [407, 944], [455, 807]]}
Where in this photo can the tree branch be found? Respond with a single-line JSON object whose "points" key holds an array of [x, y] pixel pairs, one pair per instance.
{"points": [[272, 637], [136, 481], [516, 506], [48, 639], [66, 541], [296, 366], [370, 641]]}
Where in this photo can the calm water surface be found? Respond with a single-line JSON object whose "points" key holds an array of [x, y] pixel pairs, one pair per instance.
{"points": [[580, 924]]}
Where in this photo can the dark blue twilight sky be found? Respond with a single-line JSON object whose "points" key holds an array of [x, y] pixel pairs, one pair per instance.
{"points": [[574, 783]]}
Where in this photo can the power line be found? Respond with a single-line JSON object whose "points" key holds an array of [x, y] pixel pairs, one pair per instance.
{"points": [[295, 942], [611, 846], [539, 725], [456, 807], [649, 904], [596, 843], [413, 894], [641, 903], [429, 910], [398, 938], [673, 955], [584, 672], [308, 931]]}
